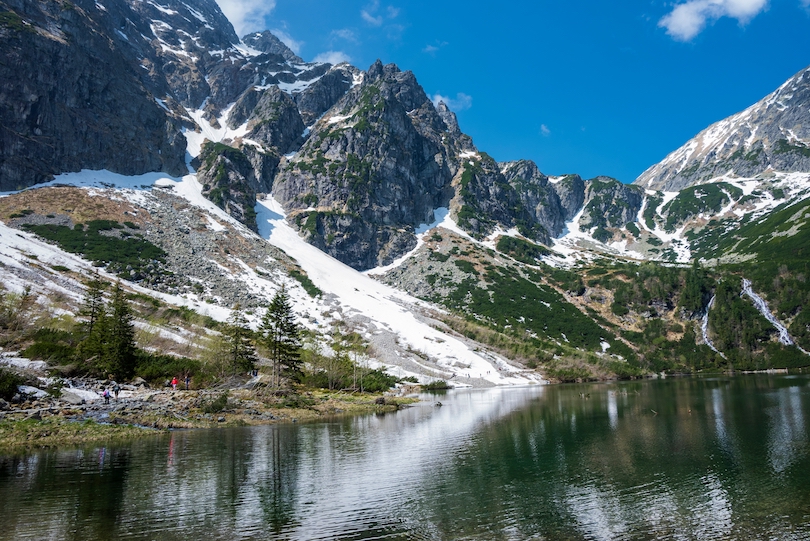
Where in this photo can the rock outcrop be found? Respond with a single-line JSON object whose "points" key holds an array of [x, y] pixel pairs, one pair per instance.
{"points": [[72, 97], [609, 204], [374, 167]]}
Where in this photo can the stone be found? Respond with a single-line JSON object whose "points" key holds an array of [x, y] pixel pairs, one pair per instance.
{"points": [[71, 398]]}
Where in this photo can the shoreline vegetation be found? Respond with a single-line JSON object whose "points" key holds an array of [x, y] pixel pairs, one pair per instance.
{"points": [[50, 422]]}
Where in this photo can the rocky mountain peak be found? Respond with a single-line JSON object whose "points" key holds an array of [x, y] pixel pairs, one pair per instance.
{"points": [[449, 118], [771, 135], [266, 42]]}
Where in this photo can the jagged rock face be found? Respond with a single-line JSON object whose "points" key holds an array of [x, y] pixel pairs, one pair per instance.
{"points": [[609, 204], [318, 97], [485, 200], [268, 43], [536, 194], [191, 49], [571, 191], [376, 165], [449, 118], [229, 180], [272, 119], [71, 98], [773, 134], [110, 85]]}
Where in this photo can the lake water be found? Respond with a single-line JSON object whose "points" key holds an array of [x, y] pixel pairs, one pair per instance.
{"points": [[691, 458]]}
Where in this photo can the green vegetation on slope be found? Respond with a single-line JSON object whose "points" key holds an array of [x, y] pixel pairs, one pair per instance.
{"points": [[98, 242]]}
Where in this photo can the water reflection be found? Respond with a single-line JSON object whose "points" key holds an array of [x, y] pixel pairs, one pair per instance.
{"points": [[676, 459]]}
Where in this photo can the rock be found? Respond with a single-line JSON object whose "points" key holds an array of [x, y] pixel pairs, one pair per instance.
{"points": [[220, 419], [71, 397], [268, 43], [380, 401], [140, 382], [229, 181], [3, 405], [36, 416], [373, 169]]}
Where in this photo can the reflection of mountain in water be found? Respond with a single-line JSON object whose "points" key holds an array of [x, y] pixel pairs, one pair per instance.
{"points": [[644, 459]]}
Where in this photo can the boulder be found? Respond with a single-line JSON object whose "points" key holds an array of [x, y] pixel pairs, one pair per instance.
{"points": [[71, 398]]}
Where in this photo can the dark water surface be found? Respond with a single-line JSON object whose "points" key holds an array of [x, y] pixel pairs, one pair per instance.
{"points": [[708, 458]]}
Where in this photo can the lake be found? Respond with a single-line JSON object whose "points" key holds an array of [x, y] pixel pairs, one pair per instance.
{"points": [[679, 458]]}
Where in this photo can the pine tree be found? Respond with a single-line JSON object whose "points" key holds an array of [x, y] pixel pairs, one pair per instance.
{"points": [[94, 330], [93, 307], [281, 336], [120, 347], [239, 342]]}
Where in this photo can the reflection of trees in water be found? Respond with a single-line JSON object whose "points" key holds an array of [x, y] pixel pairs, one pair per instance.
{"points": [[667, 457], [50, 498], [698, 457], [276, 491]]}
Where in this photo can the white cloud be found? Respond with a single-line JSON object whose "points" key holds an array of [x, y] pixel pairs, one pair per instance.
{"points": [[544, 130], [332, 57], [286, 39], [688, 19], [432, 49], [371, 19], [345, 33], [805, 4], [247, 16], [461, 102], [369, 14]]}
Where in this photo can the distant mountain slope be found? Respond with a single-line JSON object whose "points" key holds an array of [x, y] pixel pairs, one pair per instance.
{"points": [[116, 84], [771, 135]]}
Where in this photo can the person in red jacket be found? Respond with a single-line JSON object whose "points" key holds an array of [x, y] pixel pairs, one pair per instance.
{"points": [[174, 383]]}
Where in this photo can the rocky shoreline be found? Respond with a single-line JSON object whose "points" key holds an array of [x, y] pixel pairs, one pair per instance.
{"points": [[73, 411]]}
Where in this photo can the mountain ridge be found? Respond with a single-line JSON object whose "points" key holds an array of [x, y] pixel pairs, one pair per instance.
{"points": [[578, 278]]}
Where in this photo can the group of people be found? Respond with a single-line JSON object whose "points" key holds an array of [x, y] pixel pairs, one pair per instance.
{"points": [[106, 392], [174, 382]]}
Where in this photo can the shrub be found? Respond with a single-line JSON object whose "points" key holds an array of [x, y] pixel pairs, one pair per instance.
{"points": [[216, 405], [436, 385], [9, 381], [156, 366]]}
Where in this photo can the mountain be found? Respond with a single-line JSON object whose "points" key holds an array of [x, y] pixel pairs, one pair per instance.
{"points": [[207, 171], [773, 135], [115, 86]]}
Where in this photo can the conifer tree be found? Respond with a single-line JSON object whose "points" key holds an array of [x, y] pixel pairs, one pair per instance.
{"points": [[93, 307], [120, 346], [94, 330], [281, 336], [239, 341]]}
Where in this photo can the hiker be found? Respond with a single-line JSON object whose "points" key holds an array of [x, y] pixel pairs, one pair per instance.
{"points": [[174, 383], [106, 395], [116, 390], [188, 381]]}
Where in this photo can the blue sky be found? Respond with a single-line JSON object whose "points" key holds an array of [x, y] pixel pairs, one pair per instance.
{"points": [[583, 86]]}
